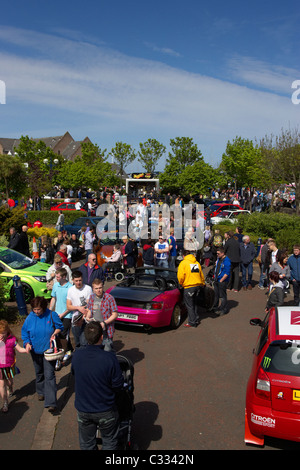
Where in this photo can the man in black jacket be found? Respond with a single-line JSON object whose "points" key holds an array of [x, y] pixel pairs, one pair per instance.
{"points": [[247, 252], [232, 250], [91, 270], [98, 377], [14, 239], [23, 246]]}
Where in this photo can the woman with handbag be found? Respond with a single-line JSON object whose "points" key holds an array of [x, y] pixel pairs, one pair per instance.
{"points": [[39, 330]]}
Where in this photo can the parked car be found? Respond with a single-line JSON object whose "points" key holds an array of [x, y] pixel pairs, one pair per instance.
{"points": [[215, 209], [31, 272], [273, 390], [149, 300], [229, 216], [65, 206], [75, 226]]}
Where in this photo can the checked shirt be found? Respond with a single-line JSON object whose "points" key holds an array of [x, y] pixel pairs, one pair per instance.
{"points": [[108, 306]]}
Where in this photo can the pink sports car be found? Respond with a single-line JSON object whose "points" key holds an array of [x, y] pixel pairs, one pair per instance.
{"points": [[150, 298]]}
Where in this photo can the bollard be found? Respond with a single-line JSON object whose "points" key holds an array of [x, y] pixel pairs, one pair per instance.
{"points": [[20, 296]]}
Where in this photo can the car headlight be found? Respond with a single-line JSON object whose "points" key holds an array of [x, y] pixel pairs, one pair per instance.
{"points": [[40, 278]]}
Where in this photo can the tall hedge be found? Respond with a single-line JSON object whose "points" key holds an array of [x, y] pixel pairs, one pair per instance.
{"points": [[283, 228]]}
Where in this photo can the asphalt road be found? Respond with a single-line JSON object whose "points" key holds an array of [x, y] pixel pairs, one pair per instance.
{"points": [[190, 387]]}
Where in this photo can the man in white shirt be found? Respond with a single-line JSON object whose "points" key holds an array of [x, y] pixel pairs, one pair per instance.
{"points": [[161, 249], [77, 299], [58, 304]]}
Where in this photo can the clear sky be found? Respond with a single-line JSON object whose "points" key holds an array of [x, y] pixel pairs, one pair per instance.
{"points": [[129, 70]]}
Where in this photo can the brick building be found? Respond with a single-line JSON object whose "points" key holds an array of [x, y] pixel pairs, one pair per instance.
{"points": [[63, 145]]}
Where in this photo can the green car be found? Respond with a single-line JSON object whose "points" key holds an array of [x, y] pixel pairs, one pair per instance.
{"points": [[31, 272]]}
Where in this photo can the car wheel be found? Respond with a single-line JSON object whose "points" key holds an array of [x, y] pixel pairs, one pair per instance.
{"points": [[119, 277], [28, 293], [176, 317]]}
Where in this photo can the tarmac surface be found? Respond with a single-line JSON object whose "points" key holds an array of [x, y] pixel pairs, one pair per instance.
{"points": [[190, 387]]}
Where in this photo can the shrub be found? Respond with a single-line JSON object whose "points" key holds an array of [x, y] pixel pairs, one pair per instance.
{"points": [[11, 218], [3, 308], [40, 231], [283, 228], [50, 217]]}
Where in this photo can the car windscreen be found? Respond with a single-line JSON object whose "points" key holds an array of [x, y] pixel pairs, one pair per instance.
{"points": [[15, 260], [223, 214], [282, 357]]}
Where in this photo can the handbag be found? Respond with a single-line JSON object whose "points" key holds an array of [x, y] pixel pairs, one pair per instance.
{"points": [[55, 353]]}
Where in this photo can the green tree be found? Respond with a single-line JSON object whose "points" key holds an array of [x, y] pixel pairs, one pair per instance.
{"points": [[184, 153], [242, 162], [92, 153], [39, 175], [149, 154], [198, 178], [281, 160], [124, 154], [12, 174]]}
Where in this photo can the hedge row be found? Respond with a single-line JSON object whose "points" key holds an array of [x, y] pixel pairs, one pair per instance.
{"points": [[283, 228], [50, 217], [15, 218]]}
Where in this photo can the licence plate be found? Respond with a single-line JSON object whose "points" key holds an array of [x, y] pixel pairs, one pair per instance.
{"points": [[296, 395], [128, 316]]}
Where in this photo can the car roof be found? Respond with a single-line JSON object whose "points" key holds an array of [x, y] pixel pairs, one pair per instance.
{"points": [[285, 324]]}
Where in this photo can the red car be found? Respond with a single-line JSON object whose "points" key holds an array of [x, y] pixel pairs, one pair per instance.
{"points": [[214, 209], [273, 390], [65, 206]]}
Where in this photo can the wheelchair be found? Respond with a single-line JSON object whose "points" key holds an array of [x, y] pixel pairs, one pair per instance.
{"points": [[115, 271]]}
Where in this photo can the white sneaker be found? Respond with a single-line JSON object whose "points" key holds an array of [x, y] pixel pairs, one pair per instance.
{"points": [[67, 356]]}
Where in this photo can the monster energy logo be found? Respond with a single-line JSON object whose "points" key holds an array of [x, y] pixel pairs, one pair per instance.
{"points": [[266, 362]]}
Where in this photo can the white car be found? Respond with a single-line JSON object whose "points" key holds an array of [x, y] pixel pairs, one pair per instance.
{"points": [[230, 216]]}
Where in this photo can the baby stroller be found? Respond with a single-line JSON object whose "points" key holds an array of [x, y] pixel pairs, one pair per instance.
{"points": [[209, 279], [125, 404]]}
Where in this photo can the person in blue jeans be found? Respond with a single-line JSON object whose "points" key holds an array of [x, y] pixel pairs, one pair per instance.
{"points": [[247, 251], [98, 377], [161, 249], [294, 264], [40, 327], [221, 278], [173, 249]]}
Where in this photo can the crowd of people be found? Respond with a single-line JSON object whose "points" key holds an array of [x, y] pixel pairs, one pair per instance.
{"points": [[80, 307]]}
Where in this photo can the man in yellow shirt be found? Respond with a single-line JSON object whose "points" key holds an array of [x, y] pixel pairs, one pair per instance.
{"points": [[191, 278]]}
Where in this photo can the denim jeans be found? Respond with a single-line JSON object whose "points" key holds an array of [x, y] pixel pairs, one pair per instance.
{"points": [[190, 300], [247, 268], [296, 290], [162, 263], [45, 382], [263, 276], [221, 293], [107, 422], [79, 337], [107, 342]]}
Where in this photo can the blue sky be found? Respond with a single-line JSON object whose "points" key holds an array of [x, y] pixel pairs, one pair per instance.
{"points": [[132, 70]]}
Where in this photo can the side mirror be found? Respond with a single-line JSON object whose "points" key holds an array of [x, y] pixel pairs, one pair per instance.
{"points": [[256, 322]]}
